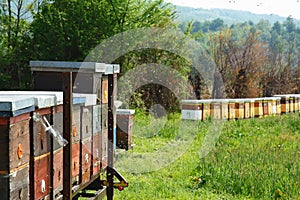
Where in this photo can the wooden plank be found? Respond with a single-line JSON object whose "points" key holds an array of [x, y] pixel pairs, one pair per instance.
{"points": [[19, 148], [15, 185], [41, 139], [104, 116], [104, 90], [42, 176], [67, 134], [96, 154], [58, 169], [86, 121], [75, 161], [96, 119], [76, 123], [86, 155]]}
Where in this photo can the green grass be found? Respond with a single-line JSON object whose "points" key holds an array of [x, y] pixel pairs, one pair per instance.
{"points": [[252, 159]]}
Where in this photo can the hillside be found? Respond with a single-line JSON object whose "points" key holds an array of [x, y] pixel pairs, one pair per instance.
{"points": [[185, 14]]}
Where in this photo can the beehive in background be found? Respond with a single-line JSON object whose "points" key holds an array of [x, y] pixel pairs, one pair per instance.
{"points": [[215, 109], [206, 106], [284, 102], [224, 108], [124, 128], [231, 109], [192, 109], [258, 107]]}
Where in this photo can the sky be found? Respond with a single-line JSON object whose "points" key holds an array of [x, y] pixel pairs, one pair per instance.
{"points": [[282, 8]]}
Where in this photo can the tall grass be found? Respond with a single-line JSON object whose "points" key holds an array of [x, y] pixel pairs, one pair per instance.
{"points": [[252, 159]]}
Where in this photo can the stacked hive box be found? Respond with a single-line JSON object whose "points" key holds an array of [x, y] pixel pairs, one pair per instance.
{"points": [[191, 109], [15, 146], [42, 173], [258, 107], [224, 108], [252, 107], [206, 113], [89, 127], [124, 128], [87, 134], [239, 108], [231, 109], [215, 109], [284, 102], [296, 103], [246, 108]]}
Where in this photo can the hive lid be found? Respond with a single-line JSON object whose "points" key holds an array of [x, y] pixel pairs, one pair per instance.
{"points": [[236, 100], [125, 112], [193, 102], [42, 99], [87, 99], [15, 105], [66, 66]]}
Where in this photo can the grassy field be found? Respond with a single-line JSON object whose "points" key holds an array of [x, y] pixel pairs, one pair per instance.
{"points": [[252, 159]]}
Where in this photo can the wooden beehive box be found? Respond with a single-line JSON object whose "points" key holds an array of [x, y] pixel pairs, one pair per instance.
{"points": [[15, 146], [124, 128]]}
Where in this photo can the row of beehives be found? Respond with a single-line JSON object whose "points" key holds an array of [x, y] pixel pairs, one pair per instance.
{"points": [[240, 108], [31, 148]]}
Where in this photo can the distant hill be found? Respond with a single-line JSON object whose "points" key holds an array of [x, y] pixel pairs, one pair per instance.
{"points": [[186, 14]]}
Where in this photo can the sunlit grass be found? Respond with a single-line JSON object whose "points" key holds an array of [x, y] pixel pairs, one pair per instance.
{"points": [[252, 159]]}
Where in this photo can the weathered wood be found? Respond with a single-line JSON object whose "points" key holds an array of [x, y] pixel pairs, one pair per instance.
{"points": [[15, 185], [104, 116], [42, 176], [58, 169], [86, 121], [111, 128], [96, 119], [104, 90], [67, 134], [86, 175], [76, 123], [86, 155], [14, 145], [57, 115], [97, 148], [41, 138], [75, 160]]}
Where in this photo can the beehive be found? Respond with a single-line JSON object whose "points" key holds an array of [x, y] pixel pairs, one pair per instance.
{"points": [[231, 109], [296, 103], [224, 108], [239, 108], [124, 128], [15, 146], [258, 107], [247, 109], [215, 108], [285, 105], [192, 109], [206, 106]]}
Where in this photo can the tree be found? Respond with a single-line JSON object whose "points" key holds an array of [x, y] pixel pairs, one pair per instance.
{"points": [[15, 16], [240, 63]]}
